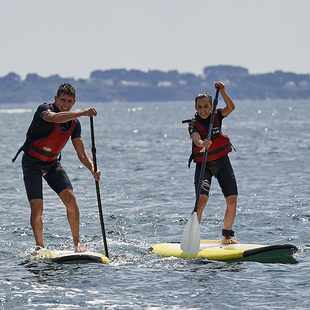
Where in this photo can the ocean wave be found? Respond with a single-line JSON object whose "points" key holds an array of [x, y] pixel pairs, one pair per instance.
{"points": [[14, 111]]}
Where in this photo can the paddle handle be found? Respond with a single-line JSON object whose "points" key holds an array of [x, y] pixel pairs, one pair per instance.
{"points": [[93, 149]]}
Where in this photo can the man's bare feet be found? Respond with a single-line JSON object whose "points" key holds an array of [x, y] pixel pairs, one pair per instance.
{"points": [[37, 250], [80, 248]]}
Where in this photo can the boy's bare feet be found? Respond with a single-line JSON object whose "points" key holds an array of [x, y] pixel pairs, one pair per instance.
{"points": [[228, 237], [227, 241]]}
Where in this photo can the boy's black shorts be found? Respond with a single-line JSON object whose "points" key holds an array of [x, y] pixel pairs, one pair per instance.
{"points": [[224, 173], [53, 173]]}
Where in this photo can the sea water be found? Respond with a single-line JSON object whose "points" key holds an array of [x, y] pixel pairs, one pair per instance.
{"points": [[147, 196]]}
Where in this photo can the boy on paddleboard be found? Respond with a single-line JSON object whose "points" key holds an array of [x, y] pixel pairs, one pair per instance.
{"points": [[52, 126], [218, 163]]}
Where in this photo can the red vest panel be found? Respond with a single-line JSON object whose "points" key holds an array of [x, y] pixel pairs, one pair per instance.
{"points": [[49, 148], [221, 145]]}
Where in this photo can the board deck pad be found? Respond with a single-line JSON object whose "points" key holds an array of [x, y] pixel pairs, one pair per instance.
{"points": [[66, 256], [215, 250]]}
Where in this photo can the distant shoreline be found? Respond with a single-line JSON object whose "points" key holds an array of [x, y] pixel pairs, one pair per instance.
{"points": [[30, 105], [155, 85]]}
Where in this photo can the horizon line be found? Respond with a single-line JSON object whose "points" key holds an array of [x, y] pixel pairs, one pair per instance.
{"points": [[23, 76]]}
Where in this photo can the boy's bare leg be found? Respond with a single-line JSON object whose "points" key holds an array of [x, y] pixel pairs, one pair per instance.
{"points": [[229, 218]]}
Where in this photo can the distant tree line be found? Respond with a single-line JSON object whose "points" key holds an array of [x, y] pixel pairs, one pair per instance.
{"points": [[156, 85]]}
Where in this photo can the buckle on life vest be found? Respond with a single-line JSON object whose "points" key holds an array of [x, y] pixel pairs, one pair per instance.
{"points": [[44, 152]]}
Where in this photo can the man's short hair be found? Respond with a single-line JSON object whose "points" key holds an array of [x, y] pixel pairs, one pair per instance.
{"points": [[66, 89]]}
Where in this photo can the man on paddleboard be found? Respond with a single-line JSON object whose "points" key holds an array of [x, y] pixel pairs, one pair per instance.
{"points": [[218, 163], [52, 126]]}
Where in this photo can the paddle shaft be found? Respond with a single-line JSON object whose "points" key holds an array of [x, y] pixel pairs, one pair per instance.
{"points": [[205, 155], [92, 132]]}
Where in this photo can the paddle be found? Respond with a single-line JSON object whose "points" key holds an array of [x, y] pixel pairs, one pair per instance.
{"points": [[191, 235], [93, 149]]}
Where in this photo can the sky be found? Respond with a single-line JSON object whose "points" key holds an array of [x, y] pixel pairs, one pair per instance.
{"points": [[74, 38]]}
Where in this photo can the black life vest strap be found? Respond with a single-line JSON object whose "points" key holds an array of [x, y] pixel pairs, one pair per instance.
{"points": [[218, 150], [17, 153], [22, 148], [190, 159]]}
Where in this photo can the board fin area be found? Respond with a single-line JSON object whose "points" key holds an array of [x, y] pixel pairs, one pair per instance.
{"points": [[216, 251], [66, 256], [279, 253]]}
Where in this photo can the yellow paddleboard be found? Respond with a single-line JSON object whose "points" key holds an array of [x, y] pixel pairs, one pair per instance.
{"points": [[66, 256], [216, 251]]}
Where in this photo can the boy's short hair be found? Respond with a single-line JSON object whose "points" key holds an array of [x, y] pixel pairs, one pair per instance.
{"points": [[66, 89], [203, 95]]}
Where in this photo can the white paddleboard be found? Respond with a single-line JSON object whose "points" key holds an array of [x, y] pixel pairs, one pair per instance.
{"points": [[67, 256]]}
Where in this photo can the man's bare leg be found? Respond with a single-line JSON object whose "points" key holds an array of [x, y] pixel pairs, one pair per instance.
{"points": [[73, 215], [36, 221]]}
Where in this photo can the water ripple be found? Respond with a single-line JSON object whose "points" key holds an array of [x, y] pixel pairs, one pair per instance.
{"points": [[148, 195]]}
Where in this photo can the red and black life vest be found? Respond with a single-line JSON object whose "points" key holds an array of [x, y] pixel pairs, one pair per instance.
{"points": [[48, 148], [221, 145]]}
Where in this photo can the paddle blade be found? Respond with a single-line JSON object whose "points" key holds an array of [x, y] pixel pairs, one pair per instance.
{"points": [[191, 235]]}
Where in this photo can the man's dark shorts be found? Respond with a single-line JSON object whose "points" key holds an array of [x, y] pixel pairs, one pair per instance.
{"points": [[224, 173], [53, 173]]}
